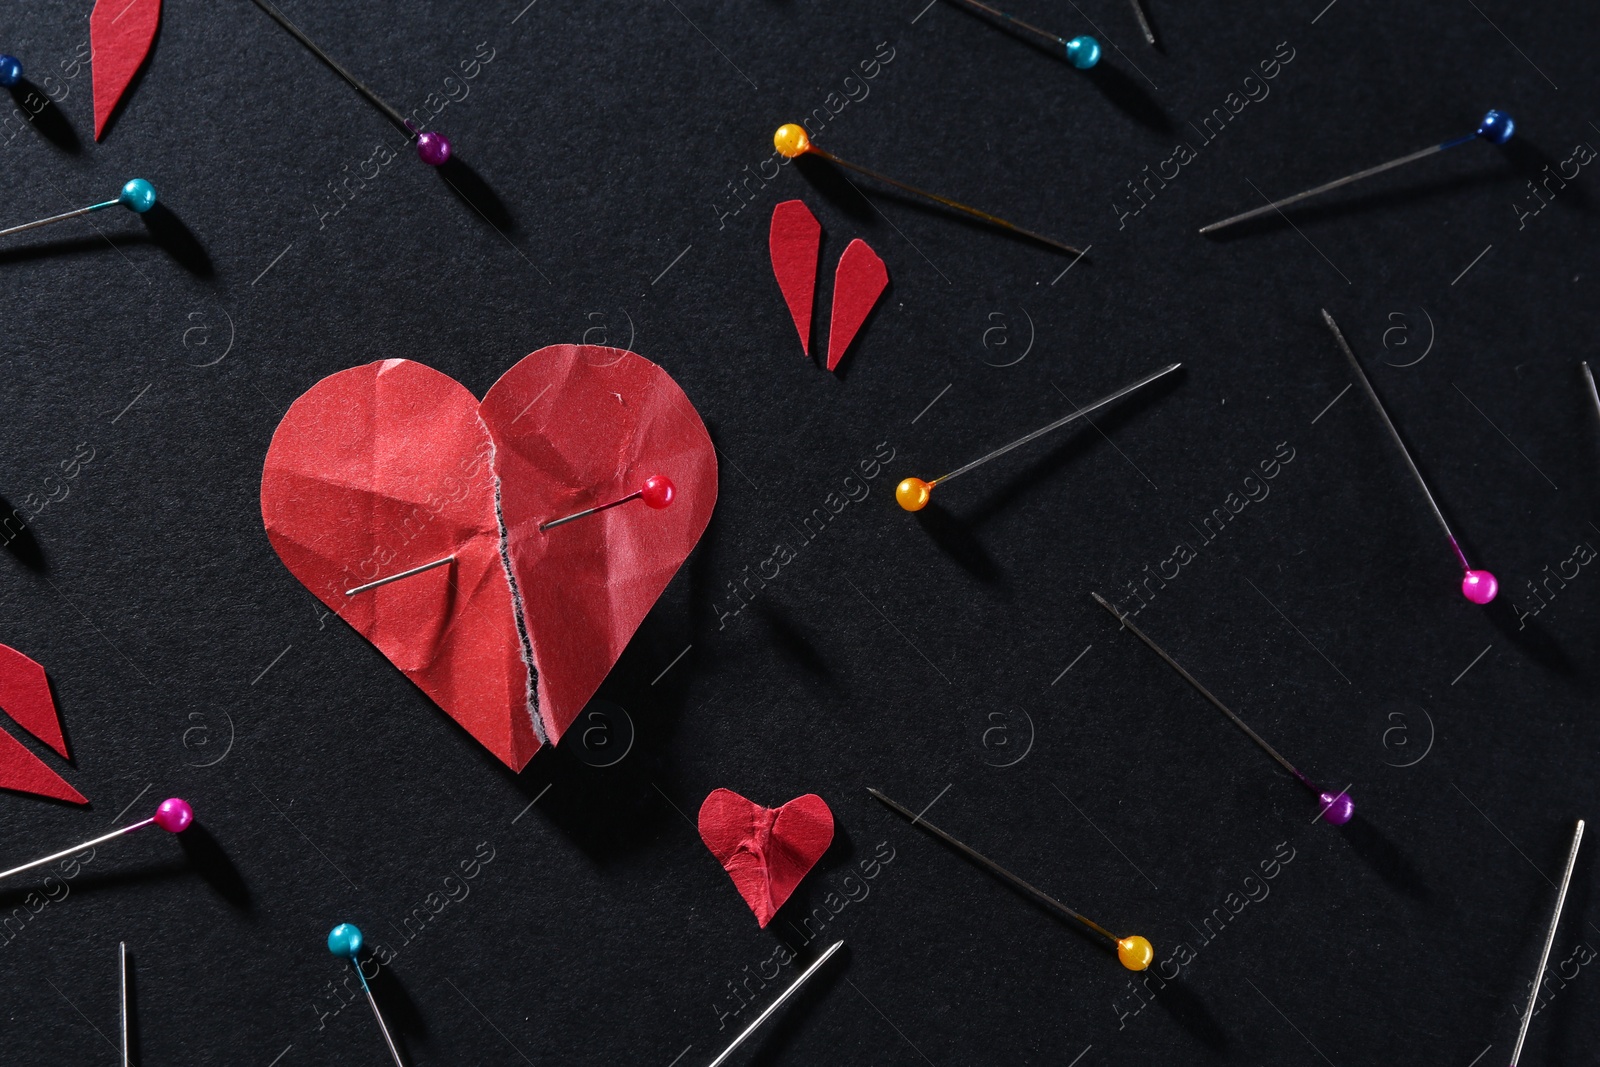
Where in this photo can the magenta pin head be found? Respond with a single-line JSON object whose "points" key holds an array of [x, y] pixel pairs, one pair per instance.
{"points": [[433, 148], [658, 491], [1479, 587], [1339, 809], [174, 815]]}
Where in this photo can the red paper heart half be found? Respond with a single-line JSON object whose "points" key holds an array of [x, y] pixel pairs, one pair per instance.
{"points": [[794, 242], [386, 467], [766, 851], [25, 696], [857, 283], [26, 773], [120, 35]]}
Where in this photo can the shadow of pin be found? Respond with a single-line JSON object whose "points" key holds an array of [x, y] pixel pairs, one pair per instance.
{"points": [[1386, 859], [470, 188], [1129, 97], [208, 859], [19, 538], [794, 644], [956, 539], [1192, 1013], [170, 234], [48, 119]]}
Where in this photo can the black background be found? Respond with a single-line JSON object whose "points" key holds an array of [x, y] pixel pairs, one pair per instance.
{"points": [[597, 146]]}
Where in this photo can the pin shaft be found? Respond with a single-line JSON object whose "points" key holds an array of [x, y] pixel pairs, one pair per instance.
{"points": [[1277, 205], [64, 216], [776, 1004], [1549, 940], [1594, 393], [1192, 680], [64, 853], [294, 31], [977, 857], [122, 961], [997, 13], [1144, 21], [383, 1027], [1079, 413], [397, 577], [553, 523], [1405, 453], [945, 200]]}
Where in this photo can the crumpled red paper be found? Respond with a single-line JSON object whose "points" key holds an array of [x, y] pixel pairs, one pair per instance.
{"points": [[858, 281], [766, 851], [120, 35], [25, 696], [794, 241], [392, 465]]}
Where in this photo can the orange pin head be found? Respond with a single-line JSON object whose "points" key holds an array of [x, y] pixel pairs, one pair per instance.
{"points": [[913, 493], [1135, 953], [791, 140]]}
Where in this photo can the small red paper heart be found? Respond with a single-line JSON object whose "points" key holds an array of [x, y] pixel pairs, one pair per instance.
{"points": [[120, 35], [857, 283], [390, 466], [794, 242], [766, 851]]}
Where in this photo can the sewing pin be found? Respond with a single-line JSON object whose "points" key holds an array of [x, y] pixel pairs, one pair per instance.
{"points": [[913, 493], [173, 816], [433, 148], [1479, 587], [122, 962], [1549, 939], [397, 577], [137, 196], [792, 141], [1594, 394], [1144, 21], [776, 1004], [10, 71], [657, 492], [1082, 52], [1496, 128], [1337, 808], [344, 941], [1134, 953]]}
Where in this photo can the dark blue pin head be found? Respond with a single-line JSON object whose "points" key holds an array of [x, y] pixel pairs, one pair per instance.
{"points": [[10, 71], [1496, 127]]}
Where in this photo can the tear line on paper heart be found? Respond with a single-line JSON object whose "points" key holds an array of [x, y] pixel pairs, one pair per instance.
{"points": [[524, 642]]}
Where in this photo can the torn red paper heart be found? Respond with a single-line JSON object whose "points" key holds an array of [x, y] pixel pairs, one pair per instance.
{"points": [[389, 466], [794, 243], [857, 283], [120, 35], [25, 696], [766, 851]]}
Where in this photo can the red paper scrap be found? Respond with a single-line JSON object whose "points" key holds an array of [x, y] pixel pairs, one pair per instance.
{"points": [[25, 696], [794, 242], [26, 773], [120, 35], [390, 466], [766, 851], [860, 279]]}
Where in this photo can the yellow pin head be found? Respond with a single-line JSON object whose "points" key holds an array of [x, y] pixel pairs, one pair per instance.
{"points": [[1135, 953], [791, 140], [913, 493]]}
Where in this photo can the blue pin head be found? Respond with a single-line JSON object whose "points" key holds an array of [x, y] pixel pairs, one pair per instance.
{"points": [[1497, 127], [1083, 52], [10, 71], [344, 941], [138, 195]]}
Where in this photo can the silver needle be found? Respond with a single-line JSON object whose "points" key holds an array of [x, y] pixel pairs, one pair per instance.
{"points": [[1549, 939], [122, 960], [397, 577], [776, 1004]]}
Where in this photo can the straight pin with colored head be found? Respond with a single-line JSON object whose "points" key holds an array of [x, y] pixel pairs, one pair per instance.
{"points": [[173, 816], [1478, 586], [345, 941], [913, 494], [1337, 808], [1549, 940], [792, 141], [137, 195], [1496, 128], [657, 492], [433, 148], [1082, 52], [1133, 952]]}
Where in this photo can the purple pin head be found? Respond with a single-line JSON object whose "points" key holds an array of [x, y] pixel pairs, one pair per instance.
{"points": [[433, 148], [1339, 809], [174, 815], [1496, 127], [1479, 587]]}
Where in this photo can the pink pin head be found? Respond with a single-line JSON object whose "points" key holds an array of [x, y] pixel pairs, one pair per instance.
{"points": [[658, 491], [174, 815], [1479, 587], [1338, 809]]}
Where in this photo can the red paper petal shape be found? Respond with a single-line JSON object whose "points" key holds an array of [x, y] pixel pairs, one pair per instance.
{"points": [[794, 242], [120, 35], [382, 468], [766, 851], [860, 279], [23, 771], [25, 696]]}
